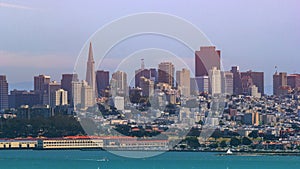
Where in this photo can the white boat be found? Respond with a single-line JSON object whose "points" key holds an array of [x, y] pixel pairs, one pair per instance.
{"points": [[229, 152]]}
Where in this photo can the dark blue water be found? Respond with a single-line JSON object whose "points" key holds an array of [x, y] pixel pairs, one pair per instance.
{"points": [[76, 159]]}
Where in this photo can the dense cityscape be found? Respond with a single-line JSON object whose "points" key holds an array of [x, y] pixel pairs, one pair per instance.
{"points": [[163, 105]]}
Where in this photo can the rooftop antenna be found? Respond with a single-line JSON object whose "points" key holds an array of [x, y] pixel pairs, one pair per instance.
{"points": [[276, 69], [142, 64]]}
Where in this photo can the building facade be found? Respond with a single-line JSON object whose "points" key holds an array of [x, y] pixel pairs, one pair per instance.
{"points": [[166, 73], [183, 81], [205, 59], [3, 92]]}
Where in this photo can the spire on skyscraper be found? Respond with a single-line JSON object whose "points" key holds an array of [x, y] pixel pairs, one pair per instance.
{"points": [[142, 64], [90, 69], [91, 56]]}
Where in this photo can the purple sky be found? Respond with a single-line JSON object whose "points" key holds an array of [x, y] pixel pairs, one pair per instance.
{"points": [[45, 37]]}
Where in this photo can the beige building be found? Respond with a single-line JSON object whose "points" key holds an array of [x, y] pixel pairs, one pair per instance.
{"points": [[183, 81]]}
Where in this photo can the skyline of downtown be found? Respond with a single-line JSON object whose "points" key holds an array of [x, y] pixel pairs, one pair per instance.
{"points": [[247, 40]]}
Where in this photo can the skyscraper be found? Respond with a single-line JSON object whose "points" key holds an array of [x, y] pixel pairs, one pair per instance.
{"points": [[76, 94], [119, 83], [183, 81], [87, 96], [153, 75], [90, 70], [40, 83], [257, 79], [227, 82], [237, 80], [166, 73], [141, 73], [199, 84], [102, 81], [293, 80], [41, 88], [147, 86], [52, 87], [279, 80], [205, 59], [215, 81], [66, 84], [3, 92]]}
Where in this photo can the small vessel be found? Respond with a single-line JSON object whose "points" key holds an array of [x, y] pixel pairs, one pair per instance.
{"points": [[228, 152]]}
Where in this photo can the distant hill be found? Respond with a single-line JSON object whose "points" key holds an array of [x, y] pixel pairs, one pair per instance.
{"points": [[21, 86]]}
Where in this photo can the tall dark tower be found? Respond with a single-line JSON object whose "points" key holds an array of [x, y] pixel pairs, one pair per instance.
{"points": [[102, 81], [3, 92], [90, 70], [66, 84]]}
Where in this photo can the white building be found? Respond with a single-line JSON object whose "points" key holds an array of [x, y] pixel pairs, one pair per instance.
{"points": [[83, 95], [59, 98], [87, 96], [76, 94], [227, 83], [215, 81], [254, 91], [119, 103]]}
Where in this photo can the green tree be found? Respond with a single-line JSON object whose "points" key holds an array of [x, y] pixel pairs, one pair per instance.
{"points": [[192, 142], [246, 141], [223, 144], [235, 141], [253, 134], [213, 145]]}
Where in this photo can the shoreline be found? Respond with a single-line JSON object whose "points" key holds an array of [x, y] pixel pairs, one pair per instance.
{"points": [[218, 153]]}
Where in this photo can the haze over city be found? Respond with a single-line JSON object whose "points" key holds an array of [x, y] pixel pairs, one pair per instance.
{"points": [[46, 37]]}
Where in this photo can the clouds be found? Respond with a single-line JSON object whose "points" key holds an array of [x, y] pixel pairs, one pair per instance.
{"points": [[14, 6]]}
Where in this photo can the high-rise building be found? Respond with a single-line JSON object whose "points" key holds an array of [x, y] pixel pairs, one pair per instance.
{"points": [[166, 73], [59, 98], [41, 83], [76, 94], [257, 79], [147, 86], [237, 80], [153, 75], [52, 87], [102, 81], [279, 80], [247, 82], [293, 81], [87, 96], [199, 84], [227, 83], [205, 59], [183, 81], [3, 92], [66, 84], [119, 83], [215, 81], [141, 73], [90, 70]]}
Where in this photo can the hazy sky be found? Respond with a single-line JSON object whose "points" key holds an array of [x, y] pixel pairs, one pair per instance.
{"points": [[45, 37]]}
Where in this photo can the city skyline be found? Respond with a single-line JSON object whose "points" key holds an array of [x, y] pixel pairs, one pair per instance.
{"points": [[268, 37]]}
